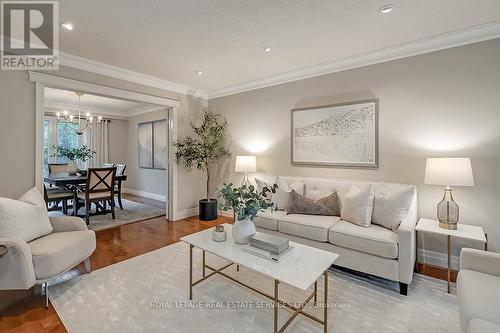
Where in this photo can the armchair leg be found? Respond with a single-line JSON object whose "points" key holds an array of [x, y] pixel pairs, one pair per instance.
{"points": [[403, 289], [45, 290], [88, 268]]}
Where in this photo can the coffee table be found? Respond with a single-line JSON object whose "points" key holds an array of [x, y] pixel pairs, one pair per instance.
{"points": [[301, 267]]}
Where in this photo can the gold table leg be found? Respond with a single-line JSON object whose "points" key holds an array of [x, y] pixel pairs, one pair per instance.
{"points": [[449, 263], [325, 304], [191, 271], [203, 272], [276, 304]]}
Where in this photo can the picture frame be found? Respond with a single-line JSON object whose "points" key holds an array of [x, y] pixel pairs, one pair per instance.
{"points": [[338, 135]]}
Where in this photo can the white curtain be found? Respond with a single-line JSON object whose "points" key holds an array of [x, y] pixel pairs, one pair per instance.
{"points": [[96, 138]]}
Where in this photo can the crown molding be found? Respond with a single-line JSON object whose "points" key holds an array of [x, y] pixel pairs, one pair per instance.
{"points": [[69, 60], [144, 110], [466, 36], [84, 109]]}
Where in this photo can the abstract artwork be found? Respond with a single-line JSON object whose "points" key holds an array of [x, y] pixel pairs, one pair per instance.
{"points": [[337, 135], [153, 150]]}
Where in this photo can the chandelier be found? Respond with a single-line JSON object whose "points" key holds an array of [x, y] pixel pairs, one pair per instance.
{"points": [[83, 123]]}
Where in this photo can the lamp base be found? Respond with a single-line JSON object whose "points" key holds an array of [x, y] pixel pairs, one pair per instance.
{"points": [[449, 226]]}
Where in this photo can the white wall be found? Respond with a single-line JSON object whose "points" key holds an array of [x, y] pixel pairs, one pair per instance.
{"points": [[146, 180], [439, 104]]}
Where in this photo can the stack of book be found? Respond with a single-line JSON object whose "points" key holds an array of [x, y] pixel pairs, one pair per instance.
{"points": [[272, 244]]}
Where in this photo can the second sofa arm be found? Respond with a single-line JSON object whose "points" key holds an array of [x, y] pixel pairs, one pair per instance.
{"points": [[480, 261], [67, 223]]}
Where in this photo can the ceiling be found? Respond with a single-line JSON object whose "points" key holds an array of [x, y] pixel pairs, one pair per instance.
{"points": [[58, 100], [172, 39]]}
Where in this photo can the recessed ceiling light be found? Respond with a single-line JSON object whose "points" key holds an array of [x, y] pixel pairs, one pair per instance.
{"points": [[198, 72], [67, 26], [266, 49], [386, 9]]}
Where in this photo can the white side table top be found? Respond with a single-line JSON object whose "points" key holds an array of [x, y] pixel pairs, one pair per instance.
{"points": [[300, 267], [463, 230]]}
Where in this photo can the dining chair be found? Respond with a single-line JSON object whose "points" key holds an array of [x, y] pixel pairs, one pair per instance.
{"points": [[99, 189], [108, 165], [120, 171], [57, 195], [58, 167]]}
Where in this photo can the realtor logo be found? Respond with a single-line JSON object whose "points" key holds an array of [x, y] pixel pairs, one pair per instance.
{"points": [[30, 35]]}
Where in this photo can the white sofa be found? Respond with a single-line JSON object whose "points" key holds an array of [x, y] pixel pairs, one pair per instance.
{"points": [[478, 289], [374, 250]]}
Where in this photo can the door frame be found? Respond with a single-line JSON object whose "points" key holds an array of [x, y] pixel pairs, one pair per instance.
{"points": [[52, 81]]}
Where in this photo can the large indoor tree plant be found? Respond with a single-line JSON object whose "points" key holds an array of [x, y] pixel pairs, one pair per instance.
{"points": [[202, 151]]}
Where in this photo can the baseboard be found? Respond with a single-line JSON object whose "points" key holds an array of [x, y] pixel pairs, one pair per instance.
{"points": [[437, 259], [145, 194], [182, 214]]}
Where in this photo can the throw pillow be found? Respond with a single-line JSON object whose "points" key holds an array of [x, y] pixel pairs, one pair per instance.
{"points": [[357, 206], [25, 218], [300, 204], [391, 207], [282, 196], [260, 186]]}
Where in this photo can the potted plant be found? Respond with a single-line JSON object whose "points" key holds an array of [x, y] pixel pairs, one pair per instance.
{"points": [[76, 156], [202, 151], [245, 202]]}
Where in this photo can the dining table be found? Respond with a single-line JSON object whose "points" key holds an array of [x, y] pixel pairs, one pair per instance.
{"points": [[74, 183]]}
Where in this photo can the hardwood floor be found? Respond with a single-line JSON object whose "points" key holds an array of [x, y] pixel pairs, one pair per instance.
{"points": [[22, 311]]}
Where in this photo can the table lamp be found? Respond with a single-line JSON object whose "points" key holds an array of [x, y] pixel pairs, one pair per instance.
{"points": [[448, 172], [245, 164]]}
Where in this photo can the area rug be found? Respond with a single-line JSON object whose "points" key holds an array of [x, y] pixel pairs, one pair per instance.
{"points": [[132, 212], [149, 293]]}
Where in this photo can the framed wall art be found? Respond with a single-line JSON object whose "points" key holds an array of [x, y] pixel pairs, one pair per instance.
{"points": [[343, 135]]}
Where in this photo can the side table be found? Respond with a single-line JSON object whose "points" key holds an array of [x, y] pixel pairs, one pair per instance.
{"points": [[464, 231]]}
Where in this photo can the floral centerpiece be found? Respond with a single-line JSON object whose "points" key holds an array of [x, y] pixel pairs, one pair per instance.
{"points": [[77, 156], [246, 202]]}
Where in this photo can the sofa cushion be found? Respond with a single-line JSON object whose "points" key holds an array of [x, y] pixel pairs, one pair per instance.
{"points": [[313, 227], [282, 196], [268, 220], [482, 326], [374, 240], [391, 205], [478, 296], [357, 206], [300, 204], [60, 251], [25, 218]]}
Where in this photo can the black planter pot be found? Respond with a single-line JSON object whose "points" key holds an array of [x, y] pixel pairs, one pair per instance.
{"points": [[208, 209]]}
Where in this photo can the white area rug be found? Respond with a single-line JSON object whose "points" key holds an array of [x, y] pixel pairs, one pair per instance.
{"points": [[149, 293], [132, 212]]}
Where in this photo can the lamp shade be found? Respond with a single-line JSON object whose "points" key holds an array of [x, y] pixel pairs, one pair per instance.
{"points": [[246, 164], [449, 171]]}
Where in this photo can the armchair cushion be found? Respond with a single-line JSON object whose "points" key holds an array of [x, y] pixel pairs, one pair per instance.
{"points": [[25, 218], [60, 251]]}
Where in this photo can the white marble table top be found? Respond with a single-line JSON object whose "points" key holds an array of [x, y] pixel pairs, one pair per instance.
{"points": [[463, 230], [300, 267]]}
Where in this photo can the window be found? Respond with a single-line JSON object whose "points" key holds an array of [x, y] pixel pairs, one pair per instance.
{"points": [[58, 134]]}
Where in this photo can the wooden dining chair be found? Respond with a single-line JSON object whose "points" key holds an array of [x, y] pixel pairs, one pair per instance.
{"points": [[108, 165], [120, 171], [56, 196], [99, 189]]}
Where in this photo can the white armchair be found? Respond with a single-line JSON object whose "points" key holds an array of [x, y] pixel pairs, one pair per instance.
{"points": [[47, 257], [478, 290]]}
